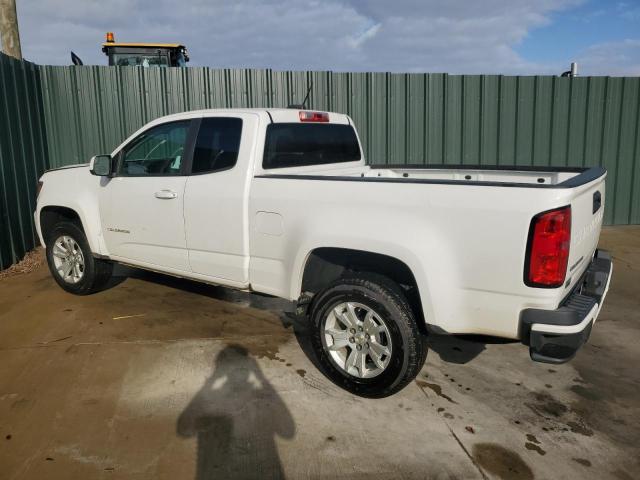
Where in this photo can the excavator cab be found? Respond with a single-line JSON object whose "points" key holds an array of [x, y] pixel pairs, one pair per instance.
{"points": [[144, 54]]}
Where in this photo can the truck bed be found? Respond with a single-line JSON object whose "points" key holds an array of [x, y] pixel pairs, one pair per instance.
{"points": [[497, 176], [493, 175], [467, 237]]}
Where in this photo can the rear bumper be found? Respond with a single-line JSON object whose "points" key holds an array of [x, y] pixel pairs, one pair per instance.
{"points": [[554, 336]]}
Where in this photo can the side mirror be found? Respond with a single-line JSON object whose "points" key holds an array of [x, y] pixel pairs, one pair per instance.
{"points": [[100, 165]]}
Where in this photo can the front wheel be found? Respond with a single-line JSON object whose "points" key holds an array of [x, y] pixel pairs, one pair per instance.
{"points": [[366, 337], [71, 263]]}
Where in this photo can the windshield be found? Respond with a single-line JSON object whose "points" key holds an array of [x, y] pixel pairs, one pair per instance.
{"points": [[299, 144], [140, 60]]}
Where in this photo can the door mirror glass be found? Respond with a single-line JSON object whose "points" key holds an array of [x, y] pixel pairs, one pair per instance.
{"points": [[100, 165]]}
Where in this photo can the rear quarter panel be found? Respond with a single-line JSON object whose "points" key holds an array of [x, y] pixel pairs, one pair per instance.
{"points": [[465, 244]]}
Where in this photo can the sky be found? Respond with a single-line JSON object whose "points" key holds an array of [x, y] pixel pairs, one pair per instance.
{"points": [[524, 37]]}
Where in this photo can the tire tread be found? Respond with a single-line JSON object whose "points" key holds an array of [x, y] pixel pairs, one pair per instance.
{"points": [[392, 293], [97, 272]]}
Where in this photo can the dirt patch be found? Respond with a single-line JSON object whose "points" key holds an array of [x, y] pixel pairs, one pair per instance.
{"points": [[582, 461], [534, 444], [437, 389], [501, 462], [31, 261], [546, 405], [267, 346], [580, 428], [551, 409], [532, 438], [587, 393], [535, 448]]}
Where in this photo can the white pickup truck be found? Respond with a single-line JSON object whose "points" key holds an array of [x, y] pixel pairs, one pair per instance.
{"points": [[281, 201]]}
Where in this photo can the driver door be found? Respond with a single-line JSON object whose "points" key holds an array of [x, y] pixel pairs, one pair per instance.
{"points": [[142, 205]]}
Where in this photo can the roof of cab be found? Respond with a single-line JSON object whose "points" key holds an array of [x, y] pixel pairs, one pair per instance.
{"points": [[134, 44], [276, 115]]}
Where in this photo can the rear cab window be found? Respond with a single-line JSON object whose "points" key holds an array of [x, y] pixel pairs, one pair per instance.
{"points": [[304, 144]]}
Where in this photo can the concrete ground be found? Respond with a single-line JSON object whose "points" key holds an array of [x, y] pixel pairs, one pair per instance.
{"points": [[162, 378]]}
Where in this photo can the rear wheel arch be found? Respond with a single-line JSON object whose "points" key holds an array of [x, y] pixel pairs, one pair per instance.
{"points": [[325, 265]]}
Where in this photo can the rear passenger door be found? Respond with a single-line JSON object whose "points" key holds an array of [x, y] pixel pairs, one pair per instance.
{"points": [[216, 198]]}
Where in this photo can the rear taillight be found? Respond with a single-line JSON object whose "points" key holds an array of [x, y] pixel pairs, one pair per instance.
{"points": [[548, 248], [321, 117]]}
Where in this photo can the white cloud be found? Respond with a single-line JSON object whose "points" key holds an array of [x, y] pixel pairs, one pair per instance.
{"points": [[456, 36], [358, 40], [612, 58]]}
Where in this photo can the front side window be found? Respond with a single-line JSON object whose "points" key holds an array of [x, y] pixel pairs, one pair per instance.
{"points": [[217, 144], [157, 152], [300, 144]]}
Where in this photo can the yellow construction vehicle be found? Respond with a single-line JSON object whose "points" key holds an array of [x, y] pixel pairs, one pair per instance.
{"points": [[125, 54]]}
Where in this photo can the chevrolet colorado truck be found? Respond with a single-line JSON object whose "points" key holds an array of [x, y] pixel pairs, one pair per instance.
{"points": [[282, 202]]}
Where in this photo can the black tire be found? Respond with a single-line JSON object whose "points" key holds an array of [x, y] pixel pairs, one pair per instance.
{"points": [[386, 298], [96, 274]]}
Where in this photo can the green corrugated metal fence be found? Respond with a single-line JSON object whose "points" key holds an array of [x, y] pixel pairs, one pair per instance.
{"points": [[23, 156], [402, 118]]}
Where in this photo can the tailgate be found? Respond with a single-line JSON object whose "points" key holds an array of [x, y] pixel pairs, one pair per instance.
{"points": [[587, 212]]}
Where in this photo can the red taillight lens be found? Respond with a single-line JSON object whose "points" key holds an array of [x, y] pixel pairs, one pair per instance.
{"points": [[322, 117], [549, 239]]}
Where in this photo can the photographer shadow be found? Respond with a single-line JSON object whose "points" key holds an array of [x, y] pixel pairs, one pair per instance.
{"points": [[235, 417]]}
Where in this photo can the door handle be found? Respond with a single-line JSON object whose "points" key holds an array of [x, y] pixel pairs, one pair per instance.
{"points": [[166, 194]]}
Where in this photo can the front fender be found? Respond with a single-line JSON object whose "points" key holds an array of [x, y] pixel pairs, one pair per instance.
{"points": [[83, 200]]}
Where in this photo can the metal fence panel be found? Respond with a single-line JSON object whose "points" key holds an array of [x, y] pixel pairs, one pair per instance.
{"points": [[23, 156], [401, 118]]}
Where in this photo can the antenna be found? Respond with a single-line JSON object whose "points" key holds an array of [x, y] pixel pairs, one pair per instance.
{"points": [[304, 102]]}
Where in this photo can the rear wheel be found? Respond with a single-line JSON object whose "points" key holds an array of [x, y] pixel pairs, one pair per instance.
{"points": [[71, 263], [366, 337]]}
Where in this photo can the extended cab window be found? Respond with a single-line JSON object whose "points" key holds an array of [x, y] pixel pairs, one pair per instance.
{"points": [[298, 144], [156, 152], [217, 144]]}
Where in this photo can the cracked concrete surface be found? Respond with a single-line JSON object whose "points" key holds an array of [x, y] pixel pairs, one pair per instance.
{"points": [[163, 378]]}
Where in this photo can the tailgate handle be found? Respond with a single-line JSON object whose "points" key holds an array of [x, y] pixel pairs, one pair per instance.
{"points": [[597, 201]]}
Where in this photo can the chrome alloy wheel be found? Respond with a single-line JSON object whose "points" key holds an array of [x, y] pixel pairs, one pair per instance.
{"points": [[68, 259], [357, 340]]}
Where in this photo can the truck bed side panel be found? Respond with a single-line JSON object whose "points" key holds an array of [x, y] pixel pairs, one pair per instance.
{"points": [[465, 244]]}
